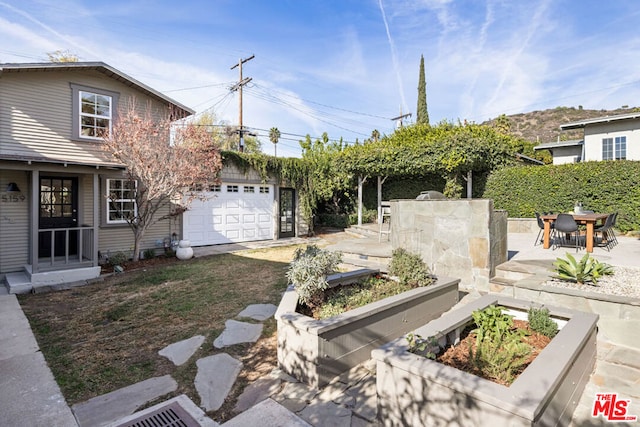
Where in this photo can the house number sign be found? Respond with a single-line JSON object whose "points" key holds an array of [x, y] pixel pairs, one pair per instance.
{"points": [[12, 198]]}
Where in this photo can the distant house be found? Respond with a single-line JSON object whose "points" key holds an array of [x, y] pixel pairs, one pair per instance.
{"points": [[605, 138]]}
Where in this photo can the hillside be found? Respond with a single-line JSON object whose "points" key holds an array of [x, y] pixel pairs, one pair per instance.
{"points": [[544, 126]]}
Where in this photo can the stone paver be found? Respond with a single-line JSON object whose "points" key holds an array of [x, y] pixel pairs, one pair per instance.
{"points": [[267, 413], [181, 351], [110, 407], [214, 379], [326, 414], [238, 332], [256, 392], [258, 311]]}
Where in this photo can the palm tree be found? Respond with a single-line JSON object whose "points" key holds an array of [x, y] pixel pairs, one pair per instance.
{"points": [[274, 136]]}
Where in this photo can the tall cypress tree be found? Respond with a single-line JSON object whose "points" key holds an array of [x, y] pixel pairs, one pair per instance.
{"points": [[422, 115]]}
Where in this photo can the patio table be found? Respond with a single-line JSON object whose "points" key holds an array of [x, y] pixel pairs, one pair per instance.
{"points": [[589, 220]]}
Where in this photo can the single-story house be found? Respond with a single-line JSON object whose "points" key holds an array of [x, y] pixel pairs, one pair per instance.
{"points": [[56, 224], [605, 138]]}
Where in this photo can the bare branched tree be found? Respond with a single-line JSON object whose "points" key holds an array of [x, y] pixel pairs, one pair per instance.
{"points": [[165, 162]]}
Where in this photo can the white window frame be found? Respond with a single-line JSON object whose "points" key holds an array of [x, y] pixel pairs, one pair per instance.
{"points": [[77, 91], [122, 200]]}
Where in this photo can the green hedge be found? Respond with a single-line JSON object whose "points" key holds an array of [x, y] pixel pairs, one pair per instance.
{"points": [[611, 186]]}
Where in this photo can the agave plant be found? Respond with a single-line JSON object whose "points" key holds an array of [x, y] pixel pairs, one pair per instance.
{"points": [[586, 270]]}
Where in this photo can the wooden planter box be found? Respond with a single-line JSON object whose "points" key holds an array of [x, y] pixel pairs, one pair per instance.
{"points": [[417, 391], [316, 351]]}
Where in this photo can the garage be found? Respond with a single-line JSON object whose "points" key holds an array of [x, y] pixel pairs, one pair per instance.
{"points": [[231, 213]]}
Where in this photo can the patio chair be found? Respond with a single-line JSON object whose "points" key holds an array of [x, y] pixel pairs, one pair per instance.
{"points": [[566, 225], [539, 238], [607, 237], [606, 240]]}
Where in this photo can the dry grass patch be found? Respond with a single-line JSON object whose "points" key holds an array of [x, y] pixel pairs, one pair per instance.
{"points": [[107, 335]]}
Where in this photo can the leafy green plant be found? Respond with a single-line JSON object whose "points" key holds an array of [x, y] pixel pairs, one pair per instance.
{"points": [[540, 321], [500, 351], [427, 347], [308, 271], [410, 269], [587, 270]]}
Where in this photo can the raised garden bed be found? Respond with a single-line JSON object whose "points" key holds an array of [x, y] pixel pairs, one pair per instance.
{"points": [[415, 390], [315, 351]]}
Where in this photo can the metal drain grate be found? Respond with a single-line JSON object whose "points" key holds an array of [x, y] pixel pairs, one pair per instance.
{"points": [[171, 415]]}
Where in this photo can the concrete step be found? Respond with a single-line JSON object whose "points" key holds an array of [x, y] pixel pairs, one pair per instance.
{"points": [[18, 283], [368, 230]]}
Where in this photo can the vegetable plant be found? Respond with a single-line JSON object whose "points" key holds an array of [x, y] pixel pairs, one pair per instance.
{"points": [[540, 321]]}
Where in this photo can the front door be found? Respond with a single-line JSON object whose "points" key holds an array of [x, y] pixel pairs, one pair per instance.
{"points": [[287, 213], [58, 209]]}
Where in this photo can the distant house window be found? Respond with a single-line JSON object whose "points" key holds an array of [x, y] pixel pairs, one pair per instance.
{"points": [[614, 149], [93, 112], [621, 148], [607, 149], [249, 189], [232, 188], [121, 203], [215, 188], [264, 190]]}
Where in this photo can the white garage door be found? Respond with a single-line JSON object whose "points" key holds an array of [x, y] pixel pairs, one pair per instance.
{"points": [[232, 213]]}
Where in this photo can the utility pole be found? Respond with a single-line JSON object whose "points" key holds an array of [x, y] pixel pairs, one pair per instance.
{"points": [[238, 87], [400, 117]]}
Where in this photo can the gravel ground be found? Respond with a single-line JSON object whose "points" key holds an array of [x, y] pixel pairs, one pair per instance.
{"points": [[624, 282]]}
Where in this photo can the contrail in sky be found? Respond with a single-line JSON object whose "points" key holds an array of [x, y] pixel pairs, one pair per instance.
{"points": [[394, 58]]}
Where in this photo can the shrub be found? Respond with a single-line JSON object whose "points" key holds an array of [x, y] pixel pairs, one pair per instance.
{"points": [[610, 186], [308, 270], [500, 352], [149, 253], [540, 321], [410, 269], [587, 270], [118, 258]]}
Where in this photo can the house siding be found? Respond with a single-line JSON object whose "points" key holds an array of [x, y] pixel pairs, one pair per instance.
{"points": [[14, 222], [593, 135], [36, 115], [36, 136]]}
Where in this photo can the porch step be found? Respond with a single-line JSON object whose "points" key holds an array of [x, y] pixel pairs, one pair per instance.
{"points": [[18, 283]]}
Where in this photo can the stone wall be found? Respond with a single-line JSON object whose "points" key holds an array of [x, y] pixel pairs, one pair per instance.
{"points": [[464, 238]]}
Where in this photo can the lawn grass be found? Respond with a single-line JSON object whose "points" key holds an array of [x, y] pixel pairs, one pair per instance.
{"points": [[107, 335]]}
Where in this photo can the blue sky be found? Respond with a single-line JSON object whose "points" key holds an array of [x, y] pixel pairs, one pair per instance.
{"points": [[347, 67]]}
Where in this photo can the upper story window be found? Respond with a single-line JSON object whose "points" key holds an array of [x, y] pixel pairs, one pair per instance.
{"points": [[95, 115], [614, 148], [121, 201], [93, 112]]}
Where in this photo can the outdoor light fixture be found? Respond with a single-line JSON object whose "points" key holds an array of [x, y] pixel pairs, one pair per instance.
{"points": [[13, 188]]}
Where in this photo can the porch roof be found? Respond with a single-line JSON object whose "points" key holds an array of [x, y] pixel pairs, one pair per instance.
{"points": [[49, 160]]}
